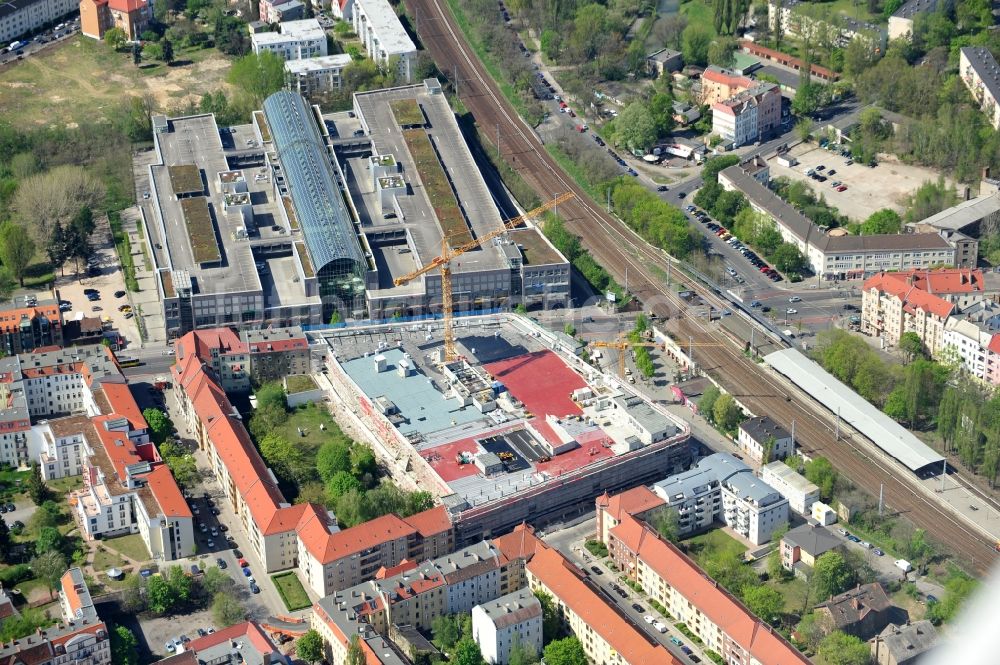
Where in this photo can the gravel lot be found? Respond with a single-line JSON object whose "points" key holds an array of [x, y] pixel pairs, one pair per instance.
{"points": [[868, 189]]}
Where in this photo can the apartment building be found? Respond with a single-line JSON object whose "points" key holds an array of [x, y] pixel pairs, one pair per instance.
{"points": [[25, 328], [284, 535], [764, 440], [316, 75], [331, 559], [901, 20], [99, 16], [801, 493], [968, 335], [639, 501], [840, 257], [720, 487], [981, 74], [411, 595], [721, 621], [20, 17], [801, 546], [719, 84], [748, 116], [80, 637], [384, 37], [920, 301], [515, 618], [295, 40], [276, 352], [796, 18], [278, 11]]}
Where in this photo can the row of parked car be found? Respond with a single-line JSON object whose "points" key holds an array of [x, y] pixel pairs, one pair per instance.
{"points": [[735, 243]]}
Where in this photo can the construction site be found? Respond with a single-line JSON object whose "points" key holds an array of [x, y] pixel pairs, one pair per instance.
{"points": [[510, 426]]}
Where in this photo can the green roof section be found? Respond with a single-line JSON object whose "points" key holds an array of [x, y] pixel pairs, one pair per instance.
{"points": [[201, 230], [407, 113], [185, 179], [439, 191]]}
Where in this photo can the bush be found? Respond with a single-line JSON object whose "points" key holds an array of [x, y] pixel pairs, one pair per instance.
{"points": [[13, 575], [597, 548]]}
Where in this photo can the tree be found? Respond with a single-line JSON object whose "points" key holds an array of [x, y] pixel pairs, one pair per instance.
{"points": [[115, 38], [706, 403], [722, 52], [333, 457], [831, 575], [17, 249], [930, 199], [355, 654], [37, 489], [467, 652], [726, 413], [882, 221], [810, 630], [521, 653], [446, 630], [227, 609], [695, 43], [160, 426], [49, 540], [124, 647], [167, 54], [634, 127], [567, 651], [661, 109], [182, 464], [310, 647], [49, 568], [258, 75], [287, 460], [667, 523], [341, 484], [551, 618], [180, 585], [840, 649], [821, 473], [803, 128], [911, 345], [158, 593], [764, 601], [789, 259], [215, 581], [133, 600], [55, 195], [710, 171]]}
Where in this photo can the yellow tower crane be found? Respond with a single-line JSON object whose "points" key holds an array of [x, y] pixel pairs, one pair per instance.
{"points": [[448, 253], [621, 345]]}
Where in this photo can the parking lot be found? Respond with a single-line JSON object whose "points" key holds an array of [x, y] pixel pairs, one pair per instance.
{"points": [[868, 189]]}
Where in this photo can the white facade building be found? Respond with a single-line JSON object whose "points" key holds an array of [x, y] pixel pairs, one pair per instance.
{"points": [[721, 487], [313, 75], [801, 493], [296, 40], [19, 18], [981, 74], [497, 625], [59, 446], [384, 37], [762, 437]]}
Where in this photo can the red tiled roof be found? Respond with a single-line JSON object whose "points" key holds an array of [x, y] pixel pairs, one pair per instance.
{"points": [[70, 592], [127, 6], [10, 319], [327, 547], [692, 583], [276, 345], [940, 280], [123, 403], [566, 583], [727, 78], [630, 502], [200, 343], [430, 522], [911, 295], [248, 629], [166, 492], [118, 447], [994, 344], [519, 543]]}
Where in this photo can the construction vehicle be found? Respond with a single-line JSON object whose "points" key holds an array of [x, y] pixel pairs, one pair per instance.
{"points": [[448, 253]]}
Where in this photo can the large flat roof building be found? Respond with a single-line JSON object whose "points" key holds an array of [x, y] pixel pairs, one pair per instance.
{"points": [[294, 41]]}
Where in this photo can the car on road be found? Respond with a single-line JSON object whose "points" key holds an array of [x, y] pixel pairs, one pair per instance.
{"points": [[648, 619], [675, 640], [878, 552], [238, 555], [596, 570], [254, 588], [221, 563], [681, 195], [854, 539], [795, 299], [687, 650], [246, 572], [638, 608], [621, 592], [660, 628], [755, 304], [791, 310], [662, 188]]}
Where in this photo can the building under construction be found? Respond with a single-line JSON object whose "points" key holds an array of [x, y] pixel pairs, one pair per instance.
{"points": [[516, 428]]}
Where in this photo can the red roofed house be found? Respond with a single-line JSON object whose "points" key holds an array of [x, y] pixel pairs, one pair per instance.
{"points": [[24, 328], [99, 16], [639, 502], [919, 300], [283, 535], [714, 615], [718, 84], [343, 9]]}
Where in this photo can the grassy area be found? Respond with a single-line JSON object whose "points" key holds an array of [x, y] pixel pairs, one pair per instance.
{"points": [[309, 418], [82, 80], [291, 591], [130, 545], [702, 546], [848, 8], [439, 190], [298, 383], [699, 12], [105, 559], [794, 592], [62, 486], [574, 170]]}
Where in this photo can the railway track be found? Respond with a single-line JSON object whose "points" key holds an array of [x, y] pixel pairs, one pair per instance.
{"points": [[617, 248]]}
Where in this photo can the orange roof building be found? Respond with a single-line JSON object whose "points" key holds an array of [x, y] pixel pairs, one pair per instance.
{"points": [[284, 535], [27, 328], [638, 501], [689, 595], [919, 301], [99, 16]]}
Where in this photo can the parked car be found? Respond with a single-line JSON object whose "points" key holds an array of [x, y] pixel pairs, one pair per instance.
{"points": [[596, 570], [246, 572], [638, 608], [791, 310], [648, 619], [221, 563], [675, 640], [254, 588]]}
